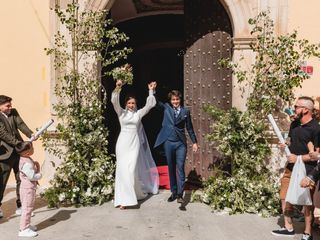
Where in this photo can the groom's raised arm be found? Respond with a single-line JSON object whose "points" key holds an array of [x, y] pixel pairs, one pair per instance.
{"points": [[159, 105]]}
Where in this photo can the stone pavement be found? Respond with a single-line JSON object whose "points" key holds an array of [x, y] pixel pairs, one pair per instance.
{"points": [[153, 219]]}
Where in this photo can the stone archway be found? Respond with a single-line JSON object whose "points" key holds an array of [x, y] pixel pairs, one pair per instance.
{"points": [[239, 13]]}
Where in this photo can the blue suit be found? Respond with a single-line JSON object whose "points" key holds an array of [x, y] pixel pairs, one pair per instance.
{"points": [[172, 136]]}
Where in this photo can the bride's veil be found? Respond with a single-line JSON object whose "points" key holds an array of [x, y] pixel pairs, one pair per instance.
{"points": [[147, 169]]}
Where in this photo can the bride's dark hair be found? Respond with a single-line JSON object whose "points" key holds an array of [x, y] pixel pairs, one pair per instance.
{"points": [[129, 97]]}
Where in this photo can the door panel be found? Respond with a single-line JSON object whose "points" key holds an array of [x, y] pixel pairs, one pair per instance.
{"points": [[208, 39]]}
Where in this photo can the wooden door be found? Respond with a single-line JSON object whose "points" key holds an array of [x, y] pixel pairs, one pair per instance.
{"points": [[208, 39]]}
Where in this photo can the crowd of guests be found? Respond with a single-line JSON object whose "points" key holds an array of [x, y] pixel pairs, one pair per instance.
{"points": [[303, 142]]}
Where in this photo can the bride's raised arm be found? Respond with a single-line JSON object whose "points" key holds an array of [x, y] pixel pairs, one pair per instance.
{"points": [[115, 98], [151, 100]]}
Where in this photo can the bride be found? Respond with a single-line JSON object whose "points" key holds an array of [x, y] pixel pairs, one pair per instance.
{"points": [[136, 172]]}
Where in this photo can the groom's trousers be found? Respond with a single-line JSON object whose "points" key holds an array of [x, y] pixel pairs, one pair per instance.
{"points": [[176, 152]]}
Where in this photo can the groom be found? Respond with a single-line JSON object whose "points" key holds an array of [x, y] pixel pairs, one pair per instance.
{"points": [[176, 119]]}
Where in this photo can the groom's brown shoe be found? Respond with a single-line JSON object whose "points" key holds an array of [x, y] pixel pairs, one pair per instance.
{"points": [[172, 197]]}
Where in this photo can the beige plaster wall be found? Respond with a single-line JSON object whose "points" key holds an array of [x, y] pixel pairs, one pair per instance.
{"points": [[24, 66], [304, 16]]}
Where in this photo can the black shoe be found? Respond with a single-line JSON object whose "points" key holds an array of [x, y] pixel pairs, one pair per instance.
{"points": [[306, 236], [283, 232], [172, 197]]}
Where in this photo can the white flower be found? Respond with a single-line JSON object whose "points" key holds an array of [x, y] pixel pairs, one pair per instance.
{"points": [[107, 190], [61, 197], [88, 192]]}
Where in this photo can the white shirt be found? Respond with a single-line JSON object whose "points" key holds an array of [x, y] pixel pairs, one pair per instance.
{"points": [[29, 171]]}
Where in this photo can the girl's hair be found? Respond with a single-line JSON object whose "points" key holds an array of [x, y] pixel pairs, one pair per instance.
{"points": [[174, 93], [129, 97]]}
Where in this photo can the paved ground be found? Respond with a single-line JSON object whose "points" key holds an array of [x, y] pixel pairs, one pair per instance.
{"points": [[153, 219]]}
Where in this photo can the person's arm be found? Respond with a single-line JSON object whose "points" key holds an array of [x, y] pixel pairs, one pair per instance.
{"points": [[191, 132], [115, 98], [292, 158], [312, 177], [189, 127], [30, 172], [159, 105], [6, 137], [150, 103], [21, 125], [313, 148]]}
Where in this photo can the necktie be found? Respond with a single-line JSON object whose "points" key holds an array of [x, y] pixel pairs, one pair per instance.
{"points": [[176, 112]]}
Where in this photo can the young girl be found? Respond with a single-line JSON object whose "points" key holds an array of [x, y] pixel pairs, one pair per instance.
{"points": [[29, 175]]}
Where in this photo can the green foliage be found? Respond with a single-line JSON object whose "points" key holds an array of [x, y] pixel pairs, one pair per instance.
{"points": [[86, 175], [276, 71], [241, 139], [249, 186], [240, 194]]}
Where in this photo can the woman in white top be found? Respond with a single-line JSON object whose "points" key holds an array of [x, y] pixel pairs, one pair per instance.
{"points": [[136, 172]]}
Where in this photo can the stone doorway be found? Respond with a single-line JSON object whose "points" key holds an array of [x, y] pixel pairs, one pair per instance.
{"points": [[158, 43], [180, 51]]}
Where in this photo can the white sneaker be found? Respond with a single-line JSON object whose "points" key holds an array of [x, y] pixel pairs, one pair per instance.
{"points": [[1, 213], [19, 212], [27, 233]]}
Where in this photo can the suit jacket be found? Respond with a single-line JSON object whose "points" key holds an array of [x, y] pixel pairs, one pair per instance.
{"points": [[169, 124], [9, 134]]}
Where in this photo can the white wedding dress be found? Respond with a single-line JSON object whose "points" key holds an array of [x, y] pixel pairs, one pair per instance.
{"points": [[136, 172]]}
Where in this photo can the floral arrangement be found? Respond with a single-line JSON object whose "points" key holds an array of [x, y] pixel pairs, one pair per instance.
{"points": [[241, 194], [86, 173], [124, 73], [249, 185]]}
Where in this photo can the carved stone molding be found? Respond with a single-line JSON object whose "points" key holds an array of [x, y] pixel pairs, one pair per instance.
{"points": [[242, 43]]}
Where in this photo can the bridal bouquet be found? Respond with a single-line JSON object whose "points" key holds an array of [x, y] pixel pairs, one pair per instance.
{"points": [[124, 73]]}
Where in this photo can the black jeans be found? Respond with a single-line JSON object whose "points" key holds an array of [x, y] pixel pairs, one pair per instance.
{"points": [[5, 170]]}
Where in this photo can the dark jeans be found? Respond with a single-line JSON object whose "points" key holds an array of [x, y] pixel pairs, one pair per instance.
{"points": [[5, 170]]}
